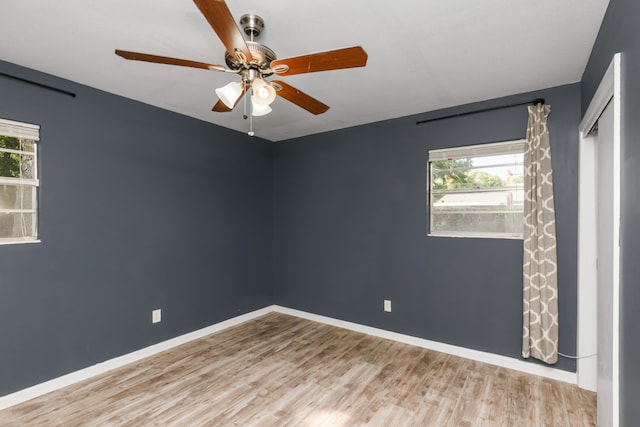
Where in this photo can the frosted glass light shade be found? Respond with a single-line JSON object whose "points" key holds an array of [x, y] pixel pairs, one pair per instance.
{"points": [[259, 110], [230, 93], [263, 92]]}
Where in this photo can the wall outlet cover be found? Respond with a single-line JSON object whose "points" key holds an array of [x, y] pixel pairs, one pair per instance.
{"points": [[387, 305], [156, 316]]}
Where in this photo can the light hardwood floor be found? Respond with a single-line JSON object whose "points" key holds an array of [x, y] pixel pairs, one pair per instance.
{"points": [[279, 370]]}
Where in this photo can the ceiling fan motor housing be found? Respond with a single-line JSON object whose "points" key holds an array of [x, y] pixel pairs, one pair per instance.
{"points": [[262, 57], [261, 54]]}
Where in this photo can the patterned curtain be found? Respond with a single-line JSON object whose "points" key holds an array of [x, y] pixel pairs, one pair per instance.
{"points": [[540, 284]]}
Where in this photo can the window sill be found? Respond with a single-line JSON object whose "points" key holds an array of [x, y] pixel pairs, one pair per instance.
{"points": [[19, 242], [477, 236]]}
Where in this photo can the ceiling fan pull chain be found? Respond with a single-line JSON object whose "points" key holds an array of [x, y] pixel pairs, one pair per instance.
{"points": [[244, 113], [251, 133]]}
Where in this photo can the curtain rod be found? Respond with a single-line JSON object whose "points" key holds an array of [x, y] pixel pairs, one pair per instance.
{"points": [[534, 102], [55, 89]]}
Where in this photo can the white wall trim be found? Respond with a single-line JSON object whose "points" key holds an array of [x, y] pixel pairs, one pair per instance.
{"points": [[480, 356], [586, 334], [117, 362], [617, 173], [601, 98]]}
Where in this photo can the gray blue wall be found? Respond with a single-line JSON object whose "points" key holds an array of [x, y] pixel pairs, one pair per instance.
{"points": [[140, 208], [620, 33], [351, 225]]}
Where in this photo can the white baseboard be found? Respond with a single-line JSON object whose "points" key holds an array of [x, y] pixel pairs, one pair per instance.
{"points": [[117, 362], [480, 356]]}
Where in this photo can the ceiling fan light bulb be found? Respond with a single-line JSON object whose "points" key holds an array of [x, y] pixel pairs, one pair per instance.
{"points": [[230, 93], [258, 110], [263, 92]]}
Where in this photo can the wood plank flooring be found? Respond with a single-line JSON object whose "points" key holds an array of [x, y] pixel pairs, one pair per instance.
{"points": [[279, 370]]}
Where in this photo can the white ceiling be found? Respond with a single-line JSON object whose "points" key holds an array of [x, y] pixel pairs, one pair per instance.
{"points": [[423, 54]]}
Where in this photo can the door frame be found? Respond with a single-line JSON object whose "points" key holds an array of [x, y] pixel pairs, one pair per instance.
{"points": [[608, 92]]}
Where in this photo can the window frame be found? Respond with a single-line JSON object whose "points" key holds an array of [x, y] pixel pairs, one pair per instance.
{"points": [[469, 151], [31, 132]]}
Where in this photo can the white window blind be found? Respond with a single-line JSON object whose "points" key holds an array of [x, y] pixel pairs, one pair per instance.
{"points": [[19, 130], [482, 150]]}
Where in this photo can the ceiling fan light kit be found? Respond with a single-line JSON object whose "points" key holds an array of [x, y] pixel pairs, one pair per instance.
{"points": [[254, 62], [230, 93], [263, 93], [258, 110]]}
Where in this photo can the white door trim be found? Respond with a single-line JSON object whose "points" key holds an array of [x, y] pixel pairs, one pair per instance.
{"points": [[608, 91]]}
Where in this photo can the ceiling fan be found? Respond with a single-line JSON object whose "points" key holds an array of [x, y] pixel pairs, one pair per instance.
{"points": [[254, 62]]}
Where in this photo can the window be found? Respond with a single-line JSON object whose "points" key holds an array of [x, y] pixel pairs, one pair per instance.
{"points": [[477, 191], [18, 182]]}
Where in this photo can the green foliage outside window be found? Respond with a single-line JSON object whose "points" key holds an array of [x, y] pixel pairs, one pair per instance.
{"points": [[447, 175], [453, 174], [9, 162]]}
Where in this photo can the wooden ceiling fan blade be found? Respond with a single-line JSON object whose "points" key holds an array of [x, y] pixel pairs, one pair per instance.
{"points": [[136, 56], [349, 57], [221, 107], [222, 22], [299, 98]]}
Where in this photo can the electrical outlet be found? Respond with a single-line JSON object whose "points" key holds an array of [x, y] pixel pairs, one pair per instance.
{"points": [[387, 305], [156, 316]]}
